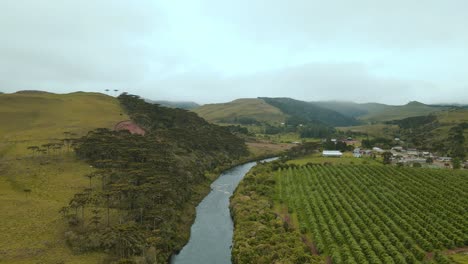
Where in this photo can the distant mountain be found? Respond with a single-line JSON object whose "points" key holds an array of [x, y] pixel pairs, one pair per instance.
{"points": [[376, 112], [175, 104], [311, 112], [350, 109], [241, 111], [379, 112]]}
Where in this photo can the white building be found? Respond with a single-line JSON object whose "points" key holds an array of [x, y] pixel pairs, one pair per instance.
{"points": [[376, 149], [332, 153], [357, 153]]}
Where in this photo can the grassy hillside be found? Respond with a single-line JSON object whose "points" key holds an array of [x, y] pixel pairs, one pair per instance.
{"points": [[231, 112], [38, 117], [33, 189], [377, 112]]}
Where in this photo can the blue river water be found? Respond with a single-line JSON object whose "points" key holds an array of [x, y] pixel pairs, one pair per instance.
{"points": [[211, 233]]}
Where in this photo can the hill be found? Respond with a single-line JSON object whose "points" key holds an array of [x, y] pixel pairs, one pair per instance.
{"points": [[272, 111], [34, 188], [54, 145], [175, 104], [387, 112], [350, 109], [241, 111], [310, 112], [374, 112], [30, 118]]}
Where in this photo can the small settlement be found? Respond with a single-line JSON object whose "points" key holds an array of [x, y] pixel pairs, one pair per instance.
{"points": [[400, 155]]}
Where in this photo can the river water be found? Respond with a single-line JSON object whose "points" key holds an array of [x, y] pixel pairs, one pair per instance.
{"points": [[211, 233]]}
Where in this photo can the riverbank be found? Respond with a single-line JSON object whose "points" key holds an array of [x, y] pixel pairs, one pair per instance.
{"points": [[204, 189], [260, 234]]}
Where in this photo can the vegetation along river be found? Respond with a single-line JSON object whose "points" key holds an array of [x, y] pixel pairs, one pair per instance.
{"points": [[211, 233]]}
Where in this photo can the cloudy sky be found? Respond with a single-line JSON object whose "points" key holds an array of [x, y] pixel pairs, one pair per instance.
{"points": [[389, 51]]}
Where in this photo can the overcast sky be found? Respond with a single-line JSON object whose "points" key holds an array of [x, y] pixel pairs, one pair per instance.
{"points": [[391, 51]]}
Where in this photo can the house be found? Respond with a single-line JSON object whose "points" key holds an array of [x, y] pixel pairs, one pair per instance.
{"points": [[379, 150], [332, 153]]}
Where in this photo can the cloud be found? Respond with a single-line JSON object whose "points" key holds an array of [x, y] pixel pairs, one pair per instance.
{"points": [[213, 51], [60, 43], [309, 82]]}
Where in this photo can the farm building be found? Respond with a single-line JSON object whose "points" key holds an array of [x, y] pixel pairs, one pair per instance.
{"points": [[332, 153]]}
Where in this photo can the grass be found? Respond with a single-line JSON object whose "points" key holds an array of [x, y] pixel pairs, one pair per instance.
{"points": [[38, 118], [389, 112], [375, 130], [260, 149], [460, 258], [31, 226], [252, 108], [346, 159]]}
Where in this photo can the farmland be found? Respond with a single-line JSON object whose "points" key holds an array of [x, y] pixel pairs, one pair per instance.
{"points": [[377, 214]]}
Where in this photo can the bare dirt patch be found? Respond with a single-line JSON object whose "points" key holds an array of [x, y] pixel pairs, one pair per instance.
{"points": [[130, 126]]}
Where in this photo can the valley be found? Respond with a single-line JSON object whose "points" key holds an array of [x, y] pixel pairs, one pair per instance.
{"points": [[72, 162]]}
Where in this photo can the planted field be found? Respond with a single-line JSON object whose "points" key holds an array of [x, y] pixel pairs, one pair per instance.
{"points": [[378, 214]]}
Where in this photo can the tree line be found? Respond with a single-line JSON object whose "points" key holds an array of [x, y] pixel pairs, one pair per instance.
{"points": [[142, 186]]}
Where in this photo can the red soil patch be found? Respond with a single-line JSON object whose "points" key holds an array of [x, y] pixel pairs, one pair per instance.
{"points": [[130, 126]]}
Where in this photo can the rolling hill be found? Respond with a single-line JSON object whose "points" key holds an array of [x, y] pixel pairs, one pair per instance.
{"points": [[272, 111], [310, 112], [375, 112], [32, 189], [254, 109], [50, 142], [38, 117]]}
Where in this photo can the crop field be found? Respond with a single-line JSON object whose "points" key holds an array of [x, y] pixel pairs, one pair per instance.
{"points": [[378, 214]]}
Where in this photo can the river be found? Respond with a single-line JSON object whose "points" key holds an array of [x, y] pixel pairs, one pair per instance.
{"points": [[211, 233]]}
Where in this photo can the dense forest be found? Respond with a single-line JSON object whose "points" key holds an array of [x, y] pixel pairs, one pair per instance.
{"points": [[140, 200]]}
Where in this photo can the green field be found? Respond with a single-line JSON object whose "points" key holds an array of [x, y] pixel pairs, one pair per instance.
{"points": [[377, 214], [31, 227]]}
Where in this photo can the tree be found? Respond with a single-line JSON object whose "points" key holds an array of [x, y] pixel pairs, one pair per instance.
{"points": [[387, 157], [90, 177], [33, 149], [456, 163], [430, 160]]}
